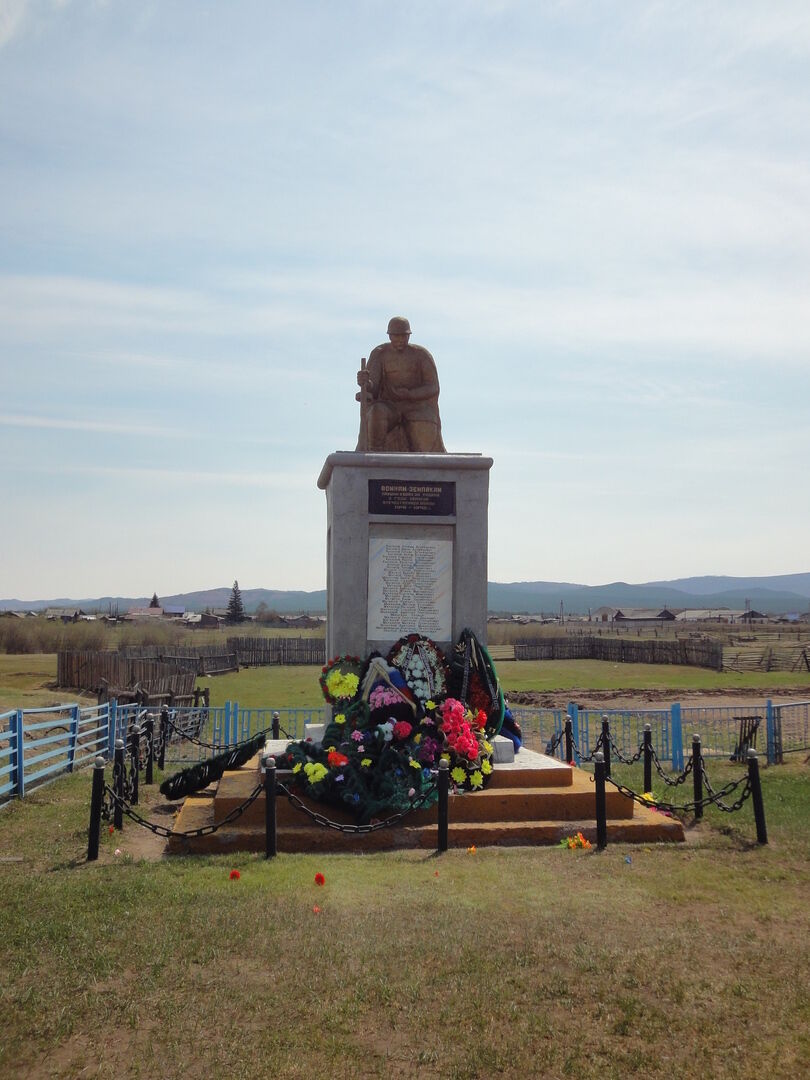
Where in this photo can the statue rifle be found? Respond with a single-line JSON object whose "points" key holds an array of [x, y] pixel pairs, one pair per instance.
{"points": [[364, 404]]}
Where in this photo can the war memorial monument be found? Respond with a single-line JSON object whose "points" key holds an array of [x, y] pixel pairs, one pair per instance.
{"points": [[406, 520]]}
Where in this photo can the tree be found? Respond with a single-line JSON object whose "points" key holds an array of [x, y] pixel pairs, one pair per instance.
{"points": [[154, 602], [236, 609]]}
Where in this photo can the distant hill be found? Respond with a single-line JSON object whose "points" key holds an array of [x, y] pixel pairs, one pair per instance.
{"points": [[768, 595], [774, 595]]}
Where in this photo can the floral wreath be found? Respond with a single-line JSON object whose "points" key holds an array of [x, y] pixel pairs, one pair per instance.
{"points": [[340, 679], [386, 739]]}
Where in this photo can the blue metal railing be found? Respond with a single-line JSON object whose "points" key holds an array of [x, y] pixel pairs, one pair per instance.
{"points": [[38, 744]]}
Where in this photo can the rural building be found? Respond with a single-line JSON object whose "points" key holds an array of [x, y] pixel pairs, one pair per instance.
{"points": [[639, 616]]}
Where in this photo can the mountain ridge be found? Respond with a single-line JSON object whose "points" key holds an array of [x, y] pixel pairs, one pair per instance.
{"points": [[777, 594]]}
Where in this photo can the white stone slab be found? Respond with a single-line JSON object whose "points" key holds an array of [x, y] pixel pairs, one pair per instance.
{"points": [[503, 750], [314, 732], [410, 588]]}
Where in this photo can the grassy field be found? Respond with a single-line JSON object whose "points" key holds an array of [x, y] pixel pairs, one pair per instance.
{"points": [[28, 681], [659, 961], [655, 961]]}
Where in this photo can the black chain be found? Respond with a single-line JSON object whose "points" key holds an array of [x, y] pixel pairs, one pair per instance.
{"points": [[321, 819], [627, 760], [668, 780], [554, 743], [714, 798], [215, 746], [166, 833]]}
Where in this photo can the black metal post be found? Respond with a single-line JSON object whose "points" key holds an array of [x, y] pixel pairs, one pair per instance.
{"points": [[444, 803], [269, 807], [606, 742], [647, 758], [601, 803], [118, 783], [569, 741], [697, 775], [134, 763], [164, 737], [96, 800], [756, 796], [276, 726], [150, 749]]}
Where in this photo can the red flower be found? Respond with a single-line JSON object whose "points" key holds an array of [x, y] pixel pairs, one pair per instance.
{"points": [[402, 729], [336, 759], [316, 909], [320, 879], [112, 829], [234, 875]]}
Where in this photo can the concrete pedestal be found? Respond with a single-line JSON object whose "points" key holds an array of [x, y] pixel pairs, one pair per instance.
{"points": [[406, 548]]}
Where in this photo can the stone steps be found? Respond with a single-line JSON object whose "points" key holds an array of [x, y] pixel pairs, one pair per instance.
{"points": [[534, 800]]}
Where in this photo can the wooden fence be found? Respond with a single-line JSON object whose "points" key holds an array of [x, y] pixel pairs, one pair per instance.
{"points": [[201, 659], [253, 651], [708, 654], [767, 657], [112, 674]]}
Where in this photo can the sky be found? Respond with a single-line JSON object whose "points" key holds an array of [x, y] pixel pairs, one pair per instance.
{"points": [[596, 216]]}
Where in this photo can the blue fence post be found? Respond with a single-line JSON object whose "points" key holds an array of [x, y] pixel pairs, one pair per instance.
{"points": [[235, 722], [19, 752], [112, 719], [573, 712], [771, 748], [74, 737], [677, 738], [227, 724]]}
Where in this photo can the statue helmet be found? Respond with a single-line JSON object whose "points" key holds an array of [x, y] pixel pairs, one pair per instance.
{"points": [[398, 325]]}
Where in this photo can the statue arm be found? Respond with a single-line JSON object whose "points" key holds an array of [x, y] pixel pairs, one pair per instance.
{"points": [[428, 388]]}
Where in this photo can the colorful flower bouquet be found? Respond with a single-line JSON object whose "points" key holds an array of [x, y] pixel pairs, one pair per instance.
{"points": [[394, 721]]}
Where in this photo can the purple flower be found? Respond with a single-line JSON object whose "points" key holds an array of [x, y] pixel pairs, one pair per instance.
{"points": [[338, 778]]}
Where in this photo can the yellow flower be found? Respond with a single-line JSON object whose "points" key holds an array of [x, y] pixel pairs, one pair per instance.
{"points": [[445, 757], [414, 764], [488, 746], [476, 779], [458, 775], [417, 739], [486, 767], [340, 718], [315, 771], [297, 768], [430, 704], [365, 762], [329, 749]]}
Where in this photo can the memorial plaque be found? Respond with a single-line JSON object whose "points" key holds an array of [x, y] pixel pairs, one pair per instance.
{"points": [[410, 588], [412, 497]]}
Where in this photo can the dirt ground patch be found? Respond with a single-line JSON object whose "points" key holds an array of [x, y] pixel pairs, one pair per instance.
{"points": [[642, 699]]}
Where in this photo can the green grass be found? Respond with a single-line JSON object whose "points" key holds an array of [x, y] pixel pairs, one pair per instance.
{"points": [[548, 675], [510, 962]]}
